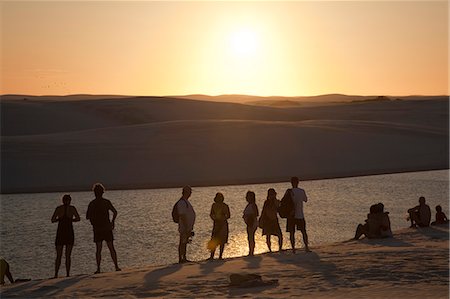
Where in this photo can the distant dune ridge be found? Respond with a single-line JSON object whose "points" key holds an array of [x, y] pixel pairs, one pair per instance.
{"points": [[68, 143]]}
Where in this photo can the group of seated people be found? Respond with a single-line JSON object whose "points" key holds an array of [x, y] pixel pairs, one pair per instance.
{"points": [[378, 224]]}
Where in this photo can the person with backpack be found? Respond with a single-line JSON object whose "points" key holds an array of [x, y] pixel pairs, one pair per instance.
{"points": [[296, 217], [183, 213], [250, 216]]}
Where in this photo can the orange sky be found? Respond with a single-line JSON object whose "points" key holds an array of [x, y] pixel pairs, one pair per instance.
{"points": [[257, 48]]}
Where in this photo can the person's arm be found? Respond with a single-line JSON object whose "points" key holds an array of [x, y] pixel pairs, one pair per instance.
{"points": [[55, 216], [76, 215], [227, 212], [415, 209], [114, 211], [211, 214], [88, 213]]}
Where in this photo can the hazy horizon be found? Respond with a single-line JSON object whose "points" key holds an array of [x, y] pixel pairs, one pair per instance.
{"points": [[284, 49]]}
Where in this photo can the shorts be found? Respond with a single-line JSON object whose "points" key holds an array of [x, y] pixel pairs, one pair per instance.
{"points": [[103, 235], [292, 222]]}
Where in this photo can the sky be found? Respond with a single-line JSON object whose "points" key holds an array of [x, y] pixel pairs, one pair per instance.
{"points": [[256, 48]]}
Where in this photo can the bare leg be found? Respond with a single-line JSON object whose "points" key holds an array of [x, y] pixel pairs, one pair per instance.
{"points": [[359, 231], [213, 252], [292, 238], [68, 259], [113, 253], [269, 245], [251, 241], [305, 238], [98, 255], [59, 250], [280, 242], [182, 249], [221, 249], [8, 274]]}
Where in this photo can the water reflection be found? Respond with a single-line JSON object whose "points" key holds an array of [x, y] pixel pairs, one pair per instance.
{"points": [[146, 235]]}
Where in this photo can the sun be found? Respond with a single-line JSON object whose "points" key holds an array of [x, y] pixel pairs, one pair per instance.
{"points": [[244, 42]]}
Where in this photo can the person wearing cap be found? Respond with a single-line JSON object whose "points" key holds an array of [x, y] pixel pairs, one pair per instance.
{"points": [[186, 222]]}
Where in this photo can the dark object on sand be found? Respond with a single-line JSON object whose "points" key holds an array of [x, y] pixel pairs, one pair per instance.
{"points": [[249, 281]]}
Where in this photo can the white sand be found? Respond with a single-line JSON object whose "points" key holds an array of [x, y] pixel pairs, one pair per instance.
{"points": [[413, 264], [66, 145]]}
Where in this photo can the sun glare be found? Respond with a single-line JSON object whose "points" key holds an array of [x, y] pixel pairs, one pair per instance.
{"points": [[244, 42]]}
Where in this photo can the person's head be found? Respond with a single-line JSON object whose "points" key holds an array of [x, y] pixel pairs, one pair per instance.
{"points": [[250, 197], [294, 181], [187, 191], [380, 207], [98, 189], [66, 199], [271, 193], [438, 208], [373, 209], [219, 197], [422, 200]]}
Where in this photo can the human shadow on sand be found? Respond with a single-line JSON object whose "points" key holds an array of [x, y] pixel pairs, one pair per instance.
{"points": [[434, 232], [253, 262], [311, 262], [21, 290], [390, 242], [209, 266], [153, 278]]}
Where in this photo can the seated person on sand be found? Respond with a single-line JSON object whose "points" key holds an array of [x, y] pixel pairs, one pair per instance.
{"points": [[420, 215], [4, 270], [377, 224], [441, 218]]}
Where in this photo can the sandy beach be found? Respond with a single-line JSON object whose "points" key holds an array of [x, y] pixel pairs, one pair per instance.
{"points": [[68, 143], [413, 264]]}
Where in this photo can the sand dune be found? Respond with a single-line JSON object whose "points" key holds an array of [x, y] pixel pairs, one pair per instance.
{"points": [[413, 264], [159, 142]]}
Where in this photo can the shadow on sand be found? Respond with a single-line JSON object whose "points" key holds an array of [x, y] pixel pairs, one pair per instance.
{"points": [[17, 290]]}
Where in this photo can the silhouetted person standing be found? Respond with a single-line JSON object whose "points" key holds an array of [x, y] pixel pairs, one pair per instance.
{"points": [[65, 215], [186, 222], [98, 214], [269, 219], [220, 213], [250, 216], [297, 219]]}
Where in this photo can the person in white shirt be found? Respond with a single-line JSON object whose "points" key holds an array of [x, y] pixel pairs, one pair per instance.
{"points": [[297, 218], [186, 222]]}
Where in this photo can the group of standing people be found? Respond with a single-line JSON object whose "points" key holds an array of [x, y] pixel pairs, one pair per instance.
{"points": [[183, 213], [290, 207], [98, 214]]}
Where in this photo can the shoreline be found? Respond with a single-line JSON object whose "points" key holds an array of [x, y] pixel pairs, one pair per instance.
{"points": [[369, 268], [55, 189]]}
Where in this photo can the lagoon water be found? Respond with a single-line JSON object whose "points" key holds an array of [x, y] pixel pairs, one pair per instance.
{"points": [[146, 235]]}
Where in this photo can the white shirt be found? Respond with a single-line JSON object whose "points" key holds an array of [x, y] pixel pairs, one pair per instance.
{"points": [[298, 197], [185, 208]]}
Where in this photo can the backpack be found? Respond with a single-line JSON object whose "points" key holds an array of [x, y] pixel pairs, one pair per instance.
{"points": [[175, 215], [286, 205]]}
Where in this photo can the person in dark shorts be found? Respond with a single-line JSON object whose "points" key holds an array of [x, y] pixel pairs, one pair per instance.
{"points": [[98, 214], [65, 215], [297, 218]]}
